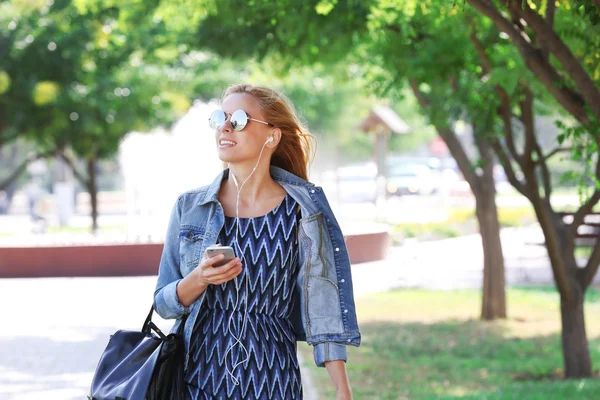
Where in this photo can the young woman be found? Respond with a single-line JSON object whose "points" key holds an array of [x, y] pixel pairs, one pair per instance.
{"points": [[291, 278]]}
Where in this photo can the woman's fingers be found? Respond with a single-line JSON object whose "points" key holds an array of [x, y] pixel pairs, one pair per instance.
{"points": [[209, 261], [229, 276], [224, 273], [229, 271]]}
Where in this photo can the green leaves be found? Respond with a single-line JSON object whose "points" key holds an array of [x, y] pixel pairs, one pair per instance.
{"points": [[4, 82], [325, 6], [83, 73], [589, 10], [46, 93]]}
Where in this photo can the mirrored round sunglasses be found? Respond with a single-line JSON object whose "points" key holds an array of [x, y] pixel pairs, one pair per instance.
{"points": [[239, 119]]}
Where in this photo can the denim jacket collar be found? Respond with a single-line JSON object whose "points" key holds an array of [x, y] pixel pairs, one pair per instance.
{"points": [[278, 174]]}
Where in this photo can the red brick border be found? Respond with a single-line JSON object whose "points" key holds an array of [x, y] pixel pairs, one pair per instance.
{"points": [[100, 260], [133, 259]]}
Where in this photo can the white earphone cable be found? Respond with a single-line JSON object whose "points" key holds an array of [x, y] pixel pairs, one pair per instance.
{"points": [[242, 258]]}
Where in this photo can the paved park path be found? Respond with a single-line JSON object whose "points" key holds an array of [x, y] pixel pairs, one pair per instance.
{"points": [[53, 330]]}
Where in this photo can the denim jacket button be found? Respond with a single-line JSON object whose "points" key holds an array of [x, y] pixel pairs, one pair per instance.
{"points": [[190, 235], [337, 249], [349, 340], [343, 280], [312, 191], [346, 311]]}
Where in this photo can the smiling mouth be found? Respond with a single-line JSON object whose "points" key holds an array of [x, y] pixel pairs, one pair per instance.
{"points": [[226, 143]]}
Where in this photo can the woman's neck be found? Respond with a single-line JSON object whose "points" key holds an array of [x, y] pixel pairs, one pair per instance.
{"points": [[259, 182]]}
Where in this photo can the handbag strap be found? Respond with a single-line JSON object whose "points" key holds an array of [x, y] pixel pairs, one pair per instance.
{"points": [[150, 326], [148, 318]]}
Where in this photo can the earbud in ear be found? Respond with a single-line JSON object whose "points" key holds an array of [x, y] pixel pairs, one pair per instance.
{"points": [[270, 139]]}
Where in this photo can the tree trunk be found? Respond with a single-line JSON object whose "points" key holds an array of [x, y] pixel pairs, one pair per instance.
{"points": [[494, 299], [483, 188], [576, 352], [92, 188]]}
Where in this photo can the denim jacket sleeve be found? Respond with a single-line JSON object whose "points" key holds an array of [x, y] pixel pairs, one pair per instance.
{"points": [[329, 351], [166, 302]]}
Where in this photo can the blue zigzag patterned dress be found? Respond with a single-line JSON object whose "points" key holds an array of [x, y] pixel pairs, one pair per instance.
{"points": [[272, 372]]}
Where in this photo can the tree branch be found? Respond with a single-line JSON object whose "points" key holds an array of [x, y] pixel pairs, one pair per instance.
{"points": [[591, 267], [508, 168], [454, 145], [546, 180], [586, 208], [550, 13], [14, 175], [561, 51], [22, 167], [505, 112], [554, 152], [419, 37], [486, 63], [424, 102], [81, 177], [572, 101], [507, 116], [531, 142], [527, 119]]}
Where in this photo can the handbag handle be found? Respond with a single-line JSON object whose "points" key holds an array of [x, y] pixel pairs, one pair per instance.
{"points": [[150, 326]]}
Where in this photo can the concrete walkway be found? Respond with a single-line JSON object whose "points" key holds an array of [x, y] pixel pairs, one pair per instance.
{"points": [[53, 330]]}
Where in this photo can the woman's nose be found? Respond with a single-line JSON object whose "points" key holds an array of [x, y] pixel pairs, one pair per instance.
{"points": [[226, 127]]}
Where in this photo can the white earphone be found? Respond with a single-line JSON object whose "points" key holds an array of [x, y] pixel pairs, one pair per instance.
{"points": [[243, 258]]}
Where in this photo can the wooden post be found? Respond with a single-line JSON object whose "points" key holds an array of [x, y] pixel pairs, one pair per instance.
{"points": [[381, 148]]}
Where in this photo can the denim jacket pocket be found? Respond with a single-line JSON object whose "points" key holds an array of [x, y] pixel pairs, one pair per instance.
{"points": [[324, 312], [319, 253], [322, 296], [191, 240]]}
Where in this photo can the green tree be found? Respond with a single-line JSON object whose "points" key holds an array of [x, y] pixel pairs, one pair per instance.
{"points": [[83, 74], [483, 80], [378, 42], [413, 45], [561, 50], [445, 55]]}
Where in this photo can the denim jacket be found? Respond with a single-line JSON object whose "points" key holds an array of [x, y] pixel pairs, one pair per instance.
{"points": [[323, 314]]}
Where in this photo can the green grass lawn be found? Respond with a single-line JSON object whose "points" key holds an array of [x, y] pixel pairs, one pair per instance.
{"points": [[420, 344]]}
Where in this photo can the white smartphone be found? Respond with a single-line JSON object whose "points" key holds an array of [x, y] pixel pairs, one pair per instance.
{"points": [[226, 250]]}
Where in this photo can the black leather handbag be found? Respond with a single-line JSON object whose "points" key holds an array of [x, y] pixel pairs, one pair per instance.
{"points": [[146, 365]]}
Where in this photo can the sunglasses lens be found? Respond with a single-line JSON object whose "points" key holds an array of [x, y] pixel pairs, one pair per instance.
{"points": [[217, 119], [239, 119]]}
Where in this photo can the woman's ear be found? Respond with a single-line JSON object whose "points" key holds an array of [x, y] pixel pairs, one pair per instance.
{"points": [[276, 135]]}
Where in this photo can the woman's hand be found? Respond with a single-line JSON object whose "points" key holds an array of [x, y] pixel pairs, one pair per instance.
{"points": [[194, 284], [206, 274]]}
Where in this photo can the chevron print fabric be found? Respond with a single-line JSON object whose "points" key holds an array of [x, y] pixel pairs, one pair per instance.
{"points": [[272, 371]]}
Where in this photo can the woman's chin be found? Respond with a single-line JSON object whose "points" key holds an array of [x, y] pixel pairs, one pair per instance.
{"points": [[224, 156], [227, 158]]}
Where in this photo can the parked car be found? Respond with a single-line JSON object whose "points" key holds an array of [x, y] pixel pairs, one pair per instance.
{"points": [[357, 182], [405, 179]]}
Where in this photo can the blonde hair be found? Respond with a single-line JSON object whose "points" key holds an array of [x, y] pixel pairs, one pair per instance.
{"points": [[294, 151]]}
